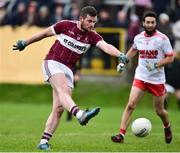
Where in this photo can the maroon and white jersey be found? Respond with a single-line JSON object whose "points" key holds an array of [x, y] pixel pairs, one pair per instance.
{"points": [[71, 43]]}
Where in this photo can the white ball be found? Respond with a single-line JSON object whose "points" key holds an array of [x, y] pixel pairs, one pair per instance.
{"points": [[141, 127]]}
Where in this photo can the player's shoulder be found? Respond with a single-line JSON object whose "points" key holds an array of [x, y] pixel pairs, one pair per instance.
{"points": [[141, 34], [161, 35], [94, 32], [68, 22]]}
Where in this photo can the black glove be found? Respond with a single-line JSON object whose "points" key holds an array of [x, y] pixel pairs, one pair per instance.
{"points": [[123, 58], [20, 45]]}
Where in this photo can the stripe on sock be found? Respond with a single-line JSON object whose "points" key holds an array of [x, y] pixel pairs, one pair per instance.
{"points": [[46, 136], [74, 110]]}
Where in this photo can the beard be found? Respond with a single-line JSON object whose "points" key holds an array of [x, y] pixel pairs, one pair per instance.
{"points": [[148, 32], [83, 27]]}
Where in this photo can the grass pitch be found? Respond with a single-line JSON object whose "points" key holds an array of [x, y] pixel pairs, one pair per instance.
{"points": [[22, 125], [25, 108]]}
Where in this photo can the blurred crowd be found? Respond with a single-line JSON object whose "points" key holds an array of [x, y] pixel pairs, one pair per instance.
{"points": [[125, 15]]}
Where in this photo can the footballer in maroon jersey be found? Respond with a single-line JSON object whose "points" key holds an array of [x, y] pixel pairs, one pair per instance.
{"points": [[74, 38]]}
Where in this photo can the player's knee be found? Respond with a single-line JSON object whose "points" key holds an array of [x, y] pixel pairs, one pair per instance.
{"points": [[58, 89], [160, 112], [131, 106]]}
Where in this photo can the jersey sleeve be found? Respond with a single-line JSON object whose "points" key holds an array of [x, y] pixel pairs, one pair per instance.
{"points": [[134, 46], [60, 26], [95, 38], [166, 47]]}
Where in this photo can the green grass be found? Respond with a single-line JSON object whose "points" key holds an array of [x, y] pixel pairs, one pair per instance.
{"points": [[25, 108], [22, 124]]}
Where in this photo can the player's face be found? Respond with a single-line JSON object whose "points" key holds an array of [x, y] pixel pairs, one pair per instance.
{"points": [[88, 23], [149, 24]]}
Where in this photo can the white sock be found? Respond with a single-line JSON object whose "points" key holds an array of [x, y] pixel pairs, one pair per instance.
{"points": [[43, 141], [79, 114]]}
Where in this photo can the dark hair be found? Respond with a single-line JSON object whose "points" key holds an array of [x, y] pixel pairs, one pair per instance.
{"points": [[88, 10], [149, 14]]}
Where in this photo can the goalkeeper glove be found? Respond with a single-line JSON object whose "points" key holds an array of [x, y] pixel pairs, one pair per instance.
{"points": [[123, 58], [120, 67], [20, 45], [151, 66]]}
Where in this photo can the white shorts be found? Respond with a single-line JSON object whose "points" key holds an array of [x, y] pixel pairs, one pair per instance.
{"points": [[169, 88], [51, 67]]}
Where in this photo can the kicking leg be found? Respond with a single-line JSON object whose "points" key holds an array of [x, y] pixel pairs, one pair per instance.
{"points": [[60, 86]]}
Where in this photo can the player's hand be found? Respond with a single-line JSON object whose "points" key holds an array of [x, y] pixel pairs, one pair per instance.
{"points": [[20, 45], [120, 67], [151, 66], [123, 58]]}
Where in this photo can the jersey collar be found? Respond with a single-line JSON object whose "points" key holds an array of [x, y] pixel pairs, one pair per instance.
{"points": [[146, 35]]}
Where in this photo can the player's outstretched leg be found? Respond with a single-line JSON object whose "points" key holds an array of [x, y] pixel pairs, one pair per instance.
{"points": [[168, 134], [87, 115], [119, 138]]}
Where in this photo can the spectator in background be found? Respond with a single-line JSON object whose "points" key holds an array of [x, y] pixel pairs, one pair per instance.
{"points": [[32, 13], [176, 33], [172, 72], [141, 6], [160, 6], [165, 27], [18, 17], [3, 15], [71, 11], [58, 14], [43, 17], [122, 19], [133, 28], [74, 12], [175, 12]]}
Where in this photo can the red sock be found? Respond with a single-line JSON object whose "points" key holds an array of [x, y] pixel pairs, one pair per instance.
{"points": [[122, 131]]}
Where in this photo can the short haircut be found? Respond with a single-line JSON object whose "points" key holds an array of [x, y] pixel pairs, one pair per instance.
{"points": [[149, 14], [88, 10]]}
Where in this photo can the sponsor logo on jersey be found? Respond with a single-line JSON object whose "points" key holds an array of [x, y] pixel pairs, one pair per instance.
{"points": [[150, 54], [73, 44]]}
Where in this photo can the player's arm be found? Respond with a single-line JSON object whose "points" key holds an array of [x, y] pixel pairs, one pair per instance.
{"points": [[21, 44], [167, 60], [169, 55], [108, 48], [111, 50], [131, 53]]}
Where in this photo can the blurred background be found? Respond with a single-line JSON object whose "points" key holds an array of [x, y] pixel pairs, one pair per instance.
{"points": [[25, 101], [119, 21]]}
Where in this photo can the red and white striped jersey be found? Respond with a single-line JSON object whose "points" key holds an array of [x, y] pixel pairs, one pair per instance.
{"points": [[151, 50], [71, 43]]}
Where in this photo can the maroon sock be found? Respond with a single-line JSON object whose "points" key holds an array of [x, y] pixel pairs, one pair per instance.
{"points": [[74, 110], [46, 136]]}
